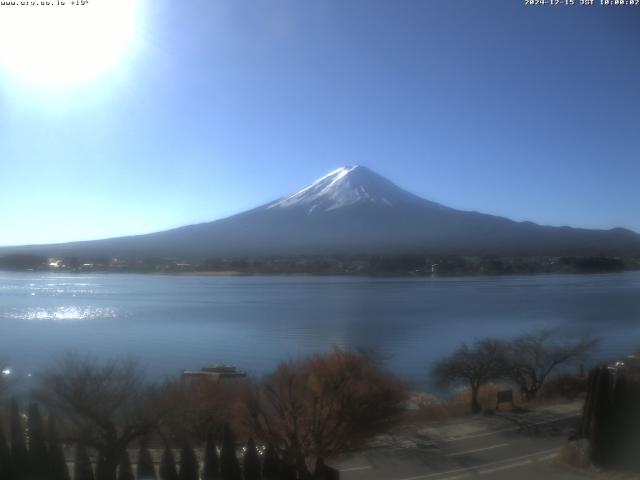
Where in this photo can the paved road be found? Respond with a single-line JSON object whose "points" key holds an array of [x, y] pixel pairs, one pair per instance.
{"points": [[502, 447]]}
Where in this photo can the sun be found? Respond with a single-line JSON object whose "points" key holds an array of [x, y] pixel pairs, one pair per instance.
{"points": [[64, 42]]}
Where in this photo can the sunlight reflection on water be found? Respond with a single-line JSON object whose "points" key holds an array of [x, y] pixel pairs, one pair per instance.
{"points": [[172, 323], [64, 314]]}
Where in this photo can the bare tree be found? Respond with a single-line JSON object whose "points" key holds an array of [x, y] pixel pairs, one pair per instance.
{"points": [[532, 358], [322, 405], [104, 404], [474, 366]]}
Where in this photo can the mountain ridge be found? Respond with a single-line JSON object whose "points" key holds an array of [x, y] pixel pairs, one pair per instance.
{"points": [[352, 210]]}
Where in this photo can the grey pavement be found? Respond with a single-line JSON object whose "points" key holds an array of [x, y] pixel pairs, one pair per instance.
{"points": [[522, 446]]}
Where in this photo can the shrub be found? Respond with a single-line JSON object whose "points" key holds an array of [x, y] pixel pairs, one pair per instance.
{"points": [[82, 468], [571, 455], [58, 469], [5, 457], [145, 470], [168, 469], [37, 444], [566, 386], [211, 468], [19, 454], [229, 465], [251, 462], [125, 472], [271, 466], [188, 463]]}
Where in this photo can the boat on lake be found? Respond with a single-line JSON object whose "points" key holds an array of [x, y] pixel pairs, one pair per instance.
{"points": [[215, 372]]}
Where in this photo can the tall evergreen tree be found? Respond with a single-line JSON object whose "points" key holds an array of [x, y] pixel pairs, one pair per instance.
{"points": [[57, 462], [271, 466], [82, 467], [319, 472], [189, 469], [125, 471], [146, 470], [288, 471], [229, 465], [101, 469], [599, 438], [38, 462], [634, 425], [587, 408], [168, 469], [211, 468], [5, 458], [19, 453], [252, 462], [619, 418]]}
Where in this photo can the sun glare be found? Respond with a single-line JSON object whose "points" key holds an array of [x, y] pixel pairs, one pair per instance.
{"points": [[58, 43]]}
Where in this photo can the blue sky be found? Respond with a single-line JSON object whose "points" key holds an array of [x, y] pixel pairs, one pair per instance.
{"points": [[527, 112]]}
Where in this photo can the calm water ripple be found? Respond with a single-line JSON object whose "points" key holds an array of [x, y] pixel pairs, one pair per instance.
{"points": [[173, 323]]}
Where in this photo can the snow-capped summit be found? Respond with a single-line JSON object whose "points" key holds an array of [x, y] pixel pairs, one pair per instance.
{"points": [[344, 187], [352, 210]]}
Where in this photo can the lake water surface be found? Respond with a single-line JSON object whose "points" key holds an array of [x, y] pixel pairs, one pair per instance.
{"points": [[171, 323]]}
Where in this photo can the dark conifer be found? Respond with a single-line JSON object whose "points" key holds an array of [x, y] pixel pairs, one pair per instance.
{"points": [[5, 458], [634, 425], [319, 473], [38, 464], [251, 462], [288, 471], [229, 465], [271, 466], [188, 463], [587, 409], [146, 470], [125, 471], [622, 423], [19, 453], [168, 469], [211, 469], [101, 468], [82, 467], [57, 462], [599, 438]]}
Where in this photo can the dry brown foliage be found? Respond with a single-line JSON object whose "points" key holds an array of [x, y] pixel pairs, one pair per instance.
{"points": [[188, 410], [566, 386], [571, 455], [430, 407], [323, 405]]}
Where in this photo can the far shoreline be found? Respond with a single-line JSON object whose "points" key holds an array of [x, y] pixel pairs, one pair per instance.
{"points": [[232, 274]]}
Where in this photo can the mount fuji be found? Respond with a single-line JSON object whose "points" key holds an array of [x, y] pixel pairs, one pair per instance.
{"points": [[353, 210]]}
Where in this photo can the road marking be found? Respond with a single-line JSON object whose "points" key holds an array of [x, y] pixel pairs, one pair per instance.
{"points": [[356, 469], [547, 457], [508, 429], [545, 454], [505, 467], [457, 477], [478, 435], [477, 450]]}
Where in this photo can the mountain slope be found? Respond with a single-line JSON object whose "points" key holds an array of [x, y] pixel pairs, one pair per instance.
{"points": [[353, 210]]}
